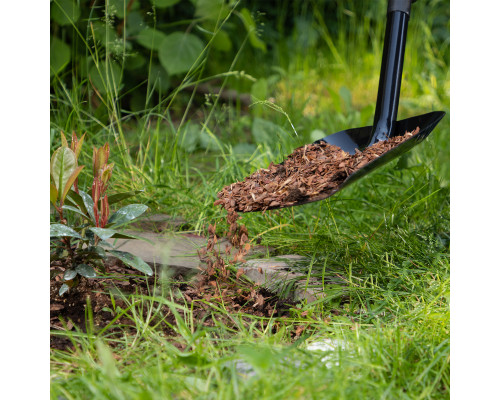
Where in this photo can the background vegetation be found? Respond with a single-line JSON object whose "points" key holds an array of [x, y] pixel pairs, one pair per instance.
{"points": [[182, 124]]}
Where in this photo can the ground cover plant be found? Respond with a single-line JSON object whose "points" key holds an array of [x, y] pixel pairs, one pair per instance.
{"points": [[379, 249]]}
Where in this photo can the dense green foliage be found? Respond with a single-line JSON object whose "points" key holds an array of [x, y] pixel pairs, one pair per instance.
{"points": [[379, 247]]}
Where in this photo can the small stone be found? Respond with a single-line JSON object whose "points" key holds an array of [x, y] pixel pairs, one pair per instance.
{"points": [[175, 252], [276, 273], [158, 223]]}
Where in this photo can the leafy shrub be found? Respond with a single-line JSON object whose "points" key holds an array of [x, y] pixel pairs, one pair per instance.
{"points": [[118, 46], [81, 247]]}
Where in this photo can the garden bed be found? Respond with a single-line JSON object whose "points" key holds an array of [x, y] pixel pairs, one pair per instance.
{"points": [[103, 300], [70, 311]]}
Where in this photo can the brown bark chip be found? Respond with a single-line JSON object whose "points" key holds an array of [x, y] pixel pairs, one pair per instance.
{"points": [[308, 172]]}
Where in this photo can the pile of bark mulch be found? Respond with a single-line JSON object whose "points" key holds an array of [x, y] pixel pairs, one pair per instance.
{"points": [[310, 173], [218, 284]]}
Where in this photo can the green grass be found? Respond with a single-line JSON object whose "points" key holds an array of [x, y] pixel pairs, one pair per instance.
{"points": [[380, 248]]}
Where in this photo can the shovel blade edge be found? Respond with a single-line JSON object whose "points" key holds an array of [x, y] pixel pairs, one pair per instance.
{"points": [[357, 138]]}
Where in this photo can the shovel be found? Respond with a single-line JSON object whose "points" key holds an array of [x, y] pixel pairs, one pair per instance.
{"points": [[385, 125]]}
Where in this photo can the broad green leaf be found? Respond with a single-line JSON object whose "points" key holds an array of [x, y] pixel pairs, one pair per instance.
{"points": [[98, 250], [264, 131], [64, 12], [191, 137], [69, 274], [305, 34], [244, 149], [179, 51], [132, 261], [53, 194], [215, 10], [62, 165], [158, 78], [208, 142], [135, 23], [117, 7], [134, 61], [115, 198], [164, 3], [76, 200], [76, 210], [60, 55], [86, 270], [151, 38], [260, 358], [106, 80], [222, 41], [88, 255], [249, 23], [60, 230], [89, 204], [107, 36], [89, 235], [64, 288], [122, 235], [105, 244], [103, 233], [127, 213], [70, 182]]}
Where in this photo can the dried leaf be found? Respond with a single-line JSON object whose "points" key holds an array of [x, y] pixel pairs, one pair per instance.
{"points": [[299, 330], [259, 302]]}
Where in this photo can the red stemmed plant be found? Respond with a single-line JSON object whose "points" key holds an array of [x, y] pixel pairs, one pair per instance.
{"points": [[78, 245], [102, 175]]}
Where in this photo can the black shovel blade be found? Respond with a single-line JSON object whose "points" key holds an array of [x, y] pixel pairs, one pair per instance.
{"points": [[358, 138]]}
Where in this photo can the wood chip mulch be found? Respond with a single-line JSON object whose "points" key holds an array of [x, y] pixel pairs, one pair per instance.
{"points": [[309, 173]]}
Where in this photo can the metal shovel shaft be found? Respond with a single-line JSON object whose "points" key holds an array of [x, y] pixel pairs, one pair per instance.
{"points": [[391, 71]]}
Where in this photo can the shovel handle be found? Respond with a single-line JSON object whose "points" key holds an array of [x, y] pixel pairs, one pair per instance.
{"points": [[400, 5], [386, 110]]}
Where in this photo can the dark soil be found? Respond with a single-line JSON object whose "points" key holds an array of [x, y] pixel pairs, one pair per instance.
{"points": [[70, 310], [308, 174]]}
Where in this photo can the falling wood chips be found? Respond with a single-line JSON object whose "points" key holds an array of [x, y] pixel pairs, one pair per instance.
{"points": [[307, 173]]}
